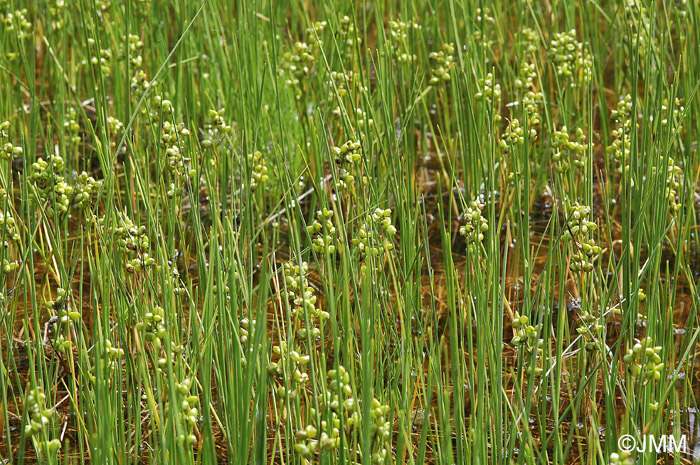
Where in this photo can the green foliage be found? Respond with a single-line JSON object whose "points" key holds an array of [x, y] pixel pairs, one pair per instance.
{"points": [[337, 233]]}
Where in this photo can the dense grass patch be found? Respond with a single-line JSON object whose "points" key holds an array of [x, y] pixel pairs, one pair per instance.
{"points": [[331, 232]]}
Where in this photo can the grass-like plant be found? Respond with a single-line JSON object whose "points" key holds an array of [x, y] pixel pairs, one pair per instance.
{"points": [[337, 232]]}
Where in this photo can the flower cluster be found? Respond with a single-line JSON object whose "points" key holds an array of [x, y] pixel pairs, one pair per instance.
{"points": [[215, 130], [85, 190], [375, 237], [485, 15], [56, 10], [313, 32], [102, 58], [66, 313], [173, 140], [7, 150], [103, 5], [293, 357], [523, 332], [8, 228], [528, 40], [673, 183], [526, 76], [513, 136], [575, 147], [72, 127], [678, 110], [139, 86], [307, 443], [349, 152], [8, 266], [51, 186], [346, 156], [187, 404], [640, 27], [342, 83], [348, 35], [111, 355], [644, 360], [531, 99], [153, 325], [39, 416], [61, 344], [131, 240], [475, 225], [298, 65], [323, 231], [621, 146], [621, 458], [245, 327], [160, 109], [531, 102], [579, 230], [571, 58], [258, 174], [525, 339], [17, 22], [302, 297], [399, 39], [344, 405], [490, 93], [380, 426], [135, 46], [590, 329], [173, 281], [535, 367], [292, 375], [482, 36], [362, 120], [116, 128], [443, 61]]}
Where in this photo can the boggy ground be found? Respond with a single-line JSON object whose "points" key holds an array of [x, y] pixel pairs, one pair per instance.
{"points": [[413, 232]]}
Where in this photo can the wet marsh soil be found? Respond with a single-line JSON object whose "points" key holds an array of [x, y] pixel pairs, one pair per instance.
{"points": [[14, 353], [429, 168]]}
